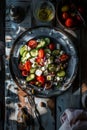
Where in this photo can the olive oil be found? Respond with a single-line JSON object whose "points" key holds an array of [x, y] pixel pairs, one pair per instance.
{"points": [[45, 14]]}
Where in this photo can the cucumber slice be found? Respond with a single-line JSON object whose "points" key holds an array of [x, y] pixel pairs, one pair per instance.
{"points": [[48, 51], [24, 54], [47, 40], [51, 67], [28, 55], [41, 44], [56, 52], [61, 73], [23, 59], [22, 49], [50, 60], [30, 77], [34, 52], [32, 70]]}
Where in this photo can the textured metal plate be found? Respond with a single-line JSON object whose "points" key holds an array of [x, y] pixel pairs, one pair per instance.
{"points": [[58, 37]]}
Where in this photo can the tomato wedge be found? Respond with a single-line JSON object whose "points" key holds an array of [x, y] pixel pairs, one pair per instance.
{"points": [[25, 73], [63, 57], [32, 82], [40, 61], [41, 53], [40, 79], [21, 66], [27, 65], [32, 43]]}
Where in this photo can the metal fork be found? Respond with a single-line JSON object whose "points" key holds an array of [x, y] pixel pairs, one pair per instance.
{"points": [[31, 100]]}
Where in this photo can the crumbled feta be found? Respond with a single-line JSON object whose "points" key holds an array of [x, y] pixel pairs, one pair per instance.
{"points": [[34, 65], [58, 79], [32, 60], [43, 68], [38, 72], [28, 48], [28, 55], [61, 52]]}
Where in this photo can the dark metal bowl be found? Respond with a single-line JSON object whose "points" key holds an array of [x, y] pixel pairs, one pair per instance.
{"points": [[77, 3], [58, 37]]}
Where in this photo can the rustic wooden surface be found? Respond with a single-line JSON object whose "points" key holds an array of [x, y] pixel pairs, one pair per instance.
{"points": [[2, 72], [71, 98], [15, 99]]}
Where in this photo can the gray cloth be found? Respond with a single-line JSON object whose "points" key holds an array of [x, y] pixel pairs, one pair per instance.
{"points": [[74, 120]]}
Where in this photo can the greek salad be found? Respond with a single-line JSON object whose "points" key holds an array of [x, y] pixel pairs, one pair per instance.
{"points": [[43, 63]]}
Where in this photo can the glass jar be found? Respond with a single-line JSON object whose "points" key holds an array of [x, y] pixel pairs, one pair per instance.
{"points": [[44, 11]]}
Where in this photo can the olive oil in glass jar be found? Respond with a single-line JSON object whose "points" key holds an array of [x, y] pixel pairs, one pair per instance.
{"points": [[44, 11]]}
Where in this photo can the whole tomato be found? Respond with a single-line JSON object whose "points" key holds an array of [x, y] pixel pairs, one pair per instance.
{"points": [[69, 22]]}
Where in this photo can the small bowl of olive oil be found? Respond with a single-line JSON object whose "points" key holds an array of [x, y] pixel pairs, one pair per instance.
{"points": [[44, 12]]}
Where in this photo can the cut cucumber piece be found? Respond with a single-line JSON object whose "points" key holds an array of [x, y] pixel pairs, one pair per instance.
{"points": [[61, 73], [32, 70], [47, 40], [56, 52], [23, 59], [51, 67], [24, 54], [30, 77], [48, 51], [34, 52], [50, 60], [22, 49], [41, 44]]}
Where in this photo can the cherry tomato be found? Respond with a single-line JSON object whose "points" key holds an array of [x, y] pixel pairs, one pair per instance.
{"points": [[69, 22], [63, 57], [40, 79], [21, 66], [41, 53], [27, 65], [32, 43], [24, 73], [65, 15], [51, 46], [40, 61]]}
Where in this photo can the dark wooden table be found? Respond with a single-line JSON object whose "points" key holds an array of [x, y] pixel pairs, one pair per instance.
{"points": [[2, 69]]}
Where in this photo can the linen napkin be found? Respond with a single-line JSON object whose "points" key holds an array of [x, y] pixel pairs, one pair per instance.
{"points": [[74, 119]]}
